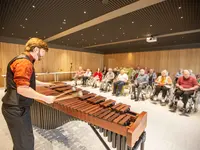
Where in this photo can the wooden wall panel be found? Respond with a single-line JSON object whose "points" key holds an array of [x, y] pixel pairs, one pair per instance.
{"points": [[171, 60], [55, 60]]}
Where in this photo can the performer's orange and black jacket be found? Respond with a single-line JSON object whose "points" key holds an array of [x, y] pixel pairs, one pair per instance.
{"points": [[20, 72]]}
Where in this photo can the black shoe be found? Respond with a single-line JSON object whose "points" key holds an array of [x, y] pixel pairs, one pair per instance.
{"points": [[117, 94], [137, 99], [174, 108], [171, 105], [133, 97]]}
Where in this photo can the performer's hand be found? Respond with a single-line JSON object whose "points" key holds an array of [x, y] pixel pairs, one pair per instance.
{"points": [[50, 99]]}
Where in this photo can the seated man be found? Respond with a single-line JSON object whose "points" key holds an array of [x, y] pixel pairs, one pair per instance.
{"points": [[186, 85], [121, 80], [140, 83], [152, 77], [96, 77], [86, 76], [164, 83], [79, 74], [107, 80]]}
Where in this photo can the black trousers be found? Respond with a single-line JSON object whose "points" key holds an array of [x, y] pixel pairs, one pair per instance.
{"points": [[84, 80], [164, 90], [185, 94], [19, 124]]}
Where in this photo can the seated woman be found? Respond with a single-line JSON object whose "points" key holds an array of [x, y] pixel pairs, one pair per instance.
{"points": [[186, 85], [164, 83], [108, 79], [140, 83], [79, 74], [152, 77], [121, 80], [86, 76], [97, 76]]}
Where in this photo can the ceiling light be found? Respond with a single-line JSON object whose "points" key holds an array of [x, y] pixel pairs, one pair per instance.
{"points": [[150, 25], [94, 38], [179, 7], [64, 22], [182, 37], [82, 34], [20, 25], [33, 6], [102, 34], [171, 29], [44, 36], [26, 19], [95, 43], [82, 39], [60, 28], [23, 27], [12, 33], [123, 33], [77, 43], [132, 21], [97, 29], [116, 37], [137, 37], [110, 40], [3, 28], [85, 12], [36, 32], [62, 42], [68, 39], [182, 17], [120, 28]]}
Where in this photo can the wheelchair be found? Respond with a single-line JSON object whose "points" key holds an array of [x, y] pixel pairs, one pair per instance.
{"points": [[160, 99], [144, 93], [192, 104], [106, 86]]}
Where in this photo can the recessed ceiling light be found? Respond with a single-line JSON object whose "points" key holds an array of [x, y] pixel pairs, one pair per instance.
{"points": [[82, 34], [62, 42], [95, 43], [174, 41], [150, 25], [182, 17], [33, 6], [82, 39], [123, 33], [64, 22], [120, 28], [102, 34], [116, 37], [68, 39], [3, 28], [77, 43], [97, 29], [179, 7], [20, 25], [12, 33], [84, 12], [23, 27], [26, 19], [110, 40], [94, 38], [60, 28], [182, 37], [171, 29], [44, 36], [36, 32], [132, 21], [137, 37]]}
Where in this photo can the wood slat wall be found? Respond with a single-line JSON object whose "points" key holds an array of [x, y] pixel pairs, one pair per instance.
{"points": [[55, 60], [171, 60]]}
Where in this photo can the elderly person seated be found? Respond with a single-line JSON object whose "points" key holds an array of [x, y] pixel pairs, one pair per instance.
{"points": [[178, 74], [108, 79], [152, 77], [140, 83], [186, 85], [97, 77], [79, 75], [164, 83], [86, 76], [121, 80]]}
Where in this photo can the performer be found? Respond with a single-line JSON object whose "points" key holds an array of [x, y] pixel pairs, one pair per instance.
{"points": [[20, 92]]}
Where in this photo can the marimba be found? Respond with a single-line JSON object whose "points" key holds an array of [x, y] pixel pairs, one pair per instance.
{"points": [[124, 128]]}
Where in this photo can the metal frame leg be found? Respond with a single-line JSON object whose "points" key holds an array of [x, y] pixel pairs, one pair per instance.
{"points": [[100, 138]]}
